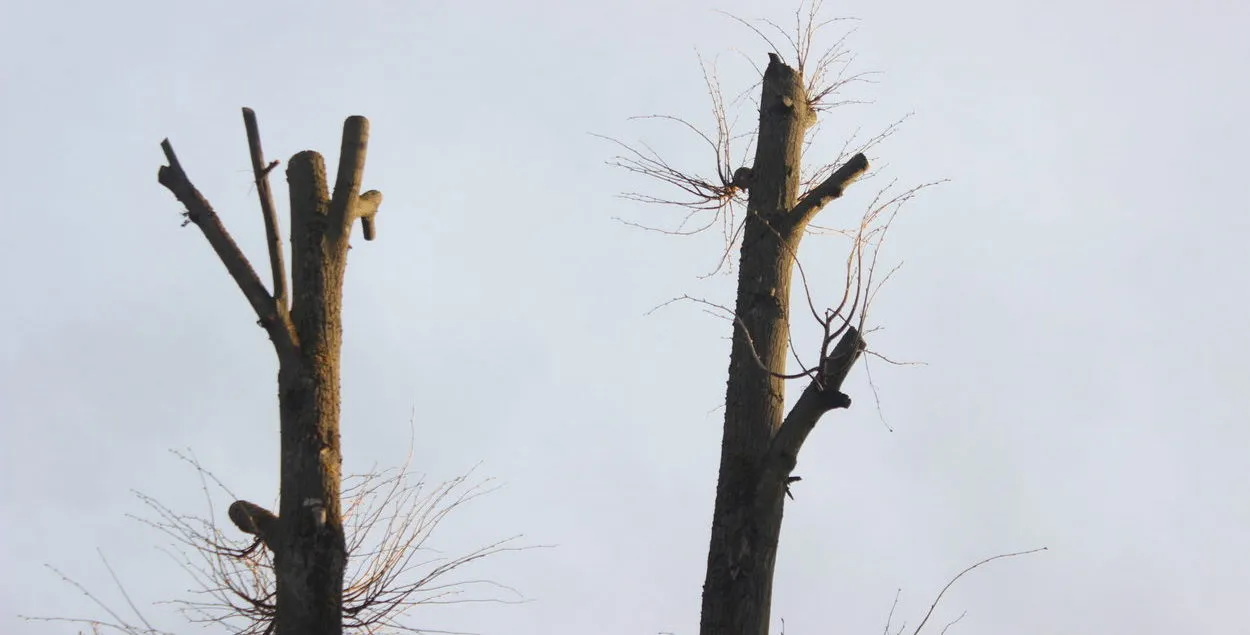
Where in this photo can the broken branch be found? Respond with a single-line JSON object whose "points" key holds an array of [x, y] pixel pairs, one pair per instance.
{"points": [[823, 394], [830, 189], [366, 210]]}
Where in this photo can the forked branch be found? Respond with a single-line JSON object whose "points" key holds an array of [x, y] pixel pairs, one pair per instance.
{"points": [[175, 179]]}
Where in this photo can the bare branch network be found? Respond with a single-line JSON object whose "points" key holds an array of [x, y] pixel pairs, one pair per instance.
{"points": [[720, 199], [825, 78], [391, 516]]}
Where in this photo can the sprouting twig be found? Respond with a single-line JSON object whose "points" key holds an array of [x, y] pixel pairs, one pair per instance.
{"points": [[961, 574]]}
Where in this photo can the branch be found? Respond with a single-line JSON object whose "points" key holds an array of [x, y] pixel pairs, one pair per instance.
{"points": [[830, 189], [366, 210], [955, 579], [820, 396], [201, 213], [253, 519], [348, 204], [261, 173]]}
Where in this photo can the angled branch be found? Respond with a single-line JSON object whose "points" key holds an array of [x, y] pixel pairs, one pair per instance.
{"points": [[260, 173], [201, 213], [827, 191], [823, 394]]}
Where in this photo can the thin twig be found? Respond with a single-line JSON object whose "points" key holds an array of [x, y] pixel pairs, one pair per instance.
{"points": [[961, 574], [122, 589], [890, 617]]}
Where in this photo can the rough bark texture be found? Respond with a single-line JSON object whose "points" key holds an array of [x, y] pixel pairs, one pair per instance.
{"points": [[306, 536], [756, 456]]}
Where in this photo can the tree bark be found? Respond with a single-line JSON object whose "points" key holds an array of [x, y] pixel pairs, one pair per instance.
{"points": [[307, 534], [756, 457]]}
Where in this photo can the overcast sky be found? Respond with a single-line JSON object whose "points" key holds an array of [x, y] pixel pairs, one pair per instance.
{"points": [[1076, 291]]}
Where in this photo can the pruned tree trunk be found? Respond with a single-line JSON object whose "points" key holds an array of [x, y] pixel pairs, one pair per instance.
{"points": [[306, 536], [759, 446]]}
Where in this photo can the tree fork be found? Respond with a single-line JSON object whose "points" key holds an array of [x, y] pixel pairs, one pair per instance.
{"points": [[759, 447], [307, 534]]}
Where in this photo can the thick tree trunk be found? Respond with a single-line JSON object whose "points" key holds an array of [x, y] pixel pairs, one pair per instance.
{"points": [[309, 566], [750, 492], [307, 534]]}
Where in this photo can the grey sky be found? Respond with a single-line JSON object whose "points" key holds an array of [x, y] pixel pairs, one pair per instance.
{"points": [[1075, 291]]}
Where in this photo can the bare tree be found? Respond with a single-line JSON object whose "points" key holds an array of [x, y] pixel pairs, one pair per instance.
{"points": [[761, 441], [342, 553], [306, 535], [765, 209], [760, 445]]}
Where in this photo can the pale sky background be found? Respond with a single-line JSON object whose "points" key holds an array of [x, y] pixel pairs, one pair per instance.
{"points": [[1077, 291]]}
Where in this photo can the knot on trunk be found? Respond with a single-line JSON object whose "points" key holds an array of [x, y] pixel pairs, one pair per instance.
{"points": [[742, 178]]}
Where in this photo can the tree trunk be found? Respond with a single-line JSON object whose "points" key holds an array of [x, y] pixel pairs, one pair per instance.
{"points": [[307, 535], [756, 457]]}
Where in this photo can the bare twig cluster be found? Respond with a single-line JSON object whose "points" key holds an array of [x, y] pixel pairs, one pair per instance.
{"points": [[853, 144], [724, 194], [709, 201], [860, 284], [116, 622], [390, 516], [827, 74], [824, 75]]}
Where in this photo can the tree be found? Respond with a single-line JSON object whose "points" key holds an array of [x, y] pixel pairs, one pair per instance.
{"points": [[306, 535], [766, 208], [761, 441], [342, 553], [293, 577]]}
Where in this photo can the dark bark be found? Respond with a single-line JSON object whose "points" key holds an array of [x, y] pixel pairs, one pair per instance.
{"points": [[306, 536], [756, 457], [253, 519]]}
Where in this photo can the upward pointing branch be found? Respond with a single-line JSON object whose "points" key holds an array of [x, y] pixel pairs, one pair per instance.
{"points": [[261, 174], [348, 204]]}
